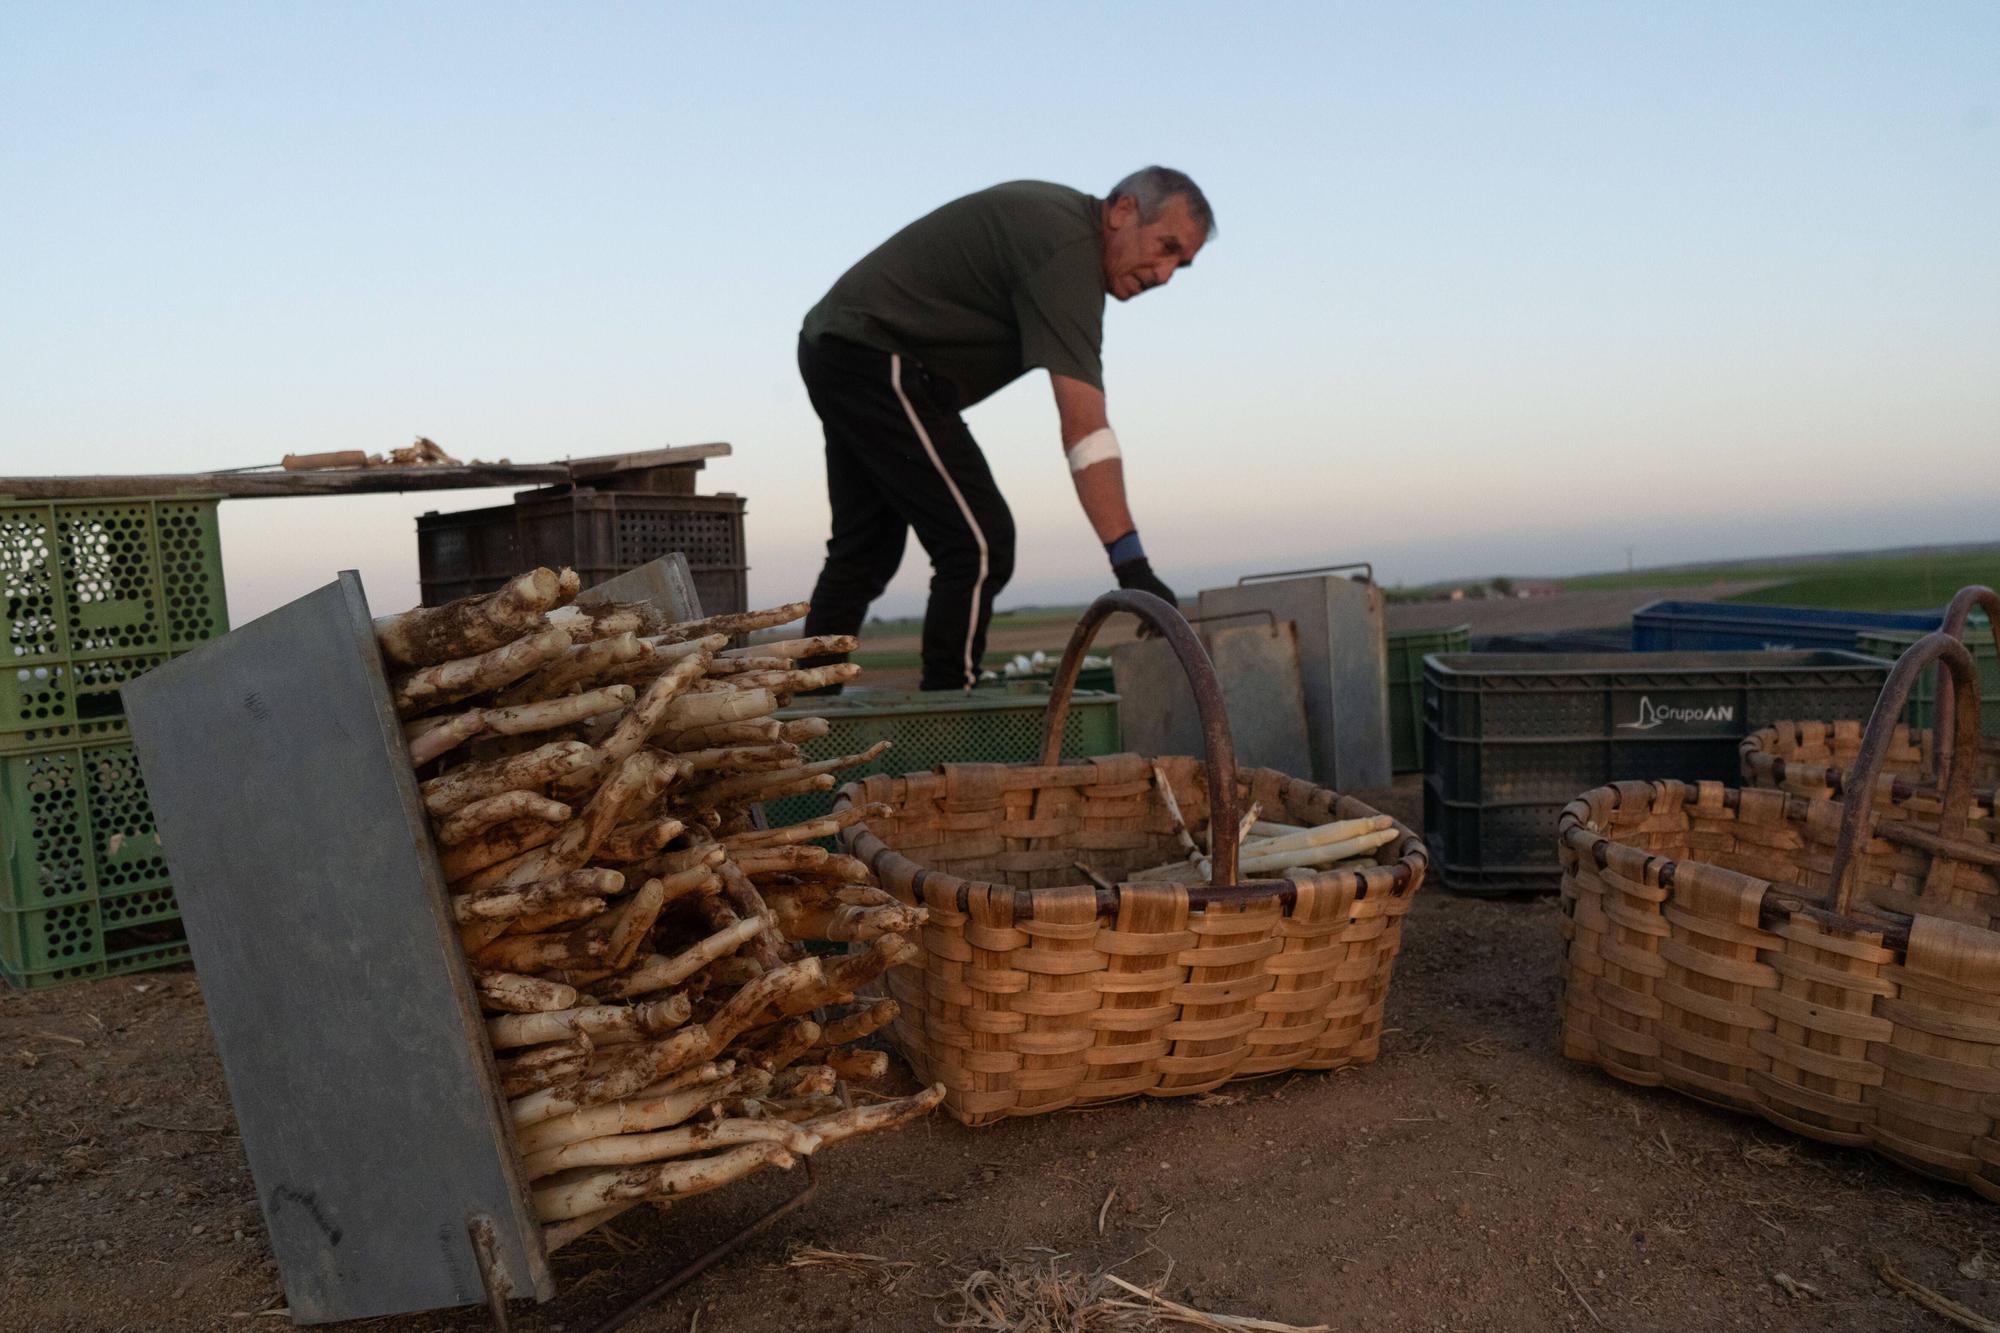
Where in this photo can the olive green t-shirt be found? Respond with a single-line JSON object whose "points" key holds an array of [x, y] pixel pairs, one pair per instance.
{"points": [[982, 290]]}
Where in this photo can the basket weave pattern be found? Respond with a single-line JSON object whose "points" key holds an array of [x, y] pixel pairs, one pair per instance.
{"points": [[1813, 758], [1075, 1006], [1679, 973]]}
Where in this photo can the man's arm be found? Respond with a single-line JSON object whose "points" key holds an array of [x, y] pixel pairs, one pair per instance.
{"points": [[1100, 483], [1100, 487]]}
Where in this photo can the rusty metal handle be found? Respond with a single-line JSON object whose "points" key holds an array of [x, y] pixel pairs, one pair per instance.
{"points": [[1951, 656], [1366, 566], [1194, 661], [1955, 617]]}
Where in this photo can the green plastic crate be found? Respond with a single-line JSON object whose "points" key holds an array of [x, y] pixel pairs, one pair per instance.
{"points": [[83, 885], [1405, 679], [1001, 725], [98, 592], [1892, 644]]}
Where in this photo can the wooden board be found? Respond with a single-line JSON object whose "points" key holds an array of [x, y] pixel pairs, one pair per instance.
{"points": [[274, 482], [348, 1029]]}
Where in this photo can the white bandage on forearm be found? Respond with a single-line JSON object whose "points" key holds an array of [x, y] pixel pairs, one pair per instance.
{"points": [[1099, 446]]}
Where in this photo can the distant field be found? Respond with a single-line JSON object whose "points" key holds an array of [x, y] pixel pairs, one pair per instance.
{"points": [[1911, 580]]}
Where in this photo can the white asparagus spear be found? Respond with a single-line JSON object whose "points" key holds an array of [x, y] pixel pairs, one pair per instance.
{"points": [[763, 731], [434, 686], [702, 710], [800, 679], [1324, 855], [512, 904], [882, 1115], [468, 821], [740, 758], [810, 830], [580, 662], [740, 622], [645, 716], [636, 842], [549, 714], [445, 735], [520, 994], [658, 1107], [1338, 831], [857, 1066], [630, 1149], [660, 972], [749, 785], [819, 645], [853, 1027], [469, 626], [559, 1234], [487, 860], [606, 1024], [738, 666], [516, 772], [1264, 828], [668, 1180]]}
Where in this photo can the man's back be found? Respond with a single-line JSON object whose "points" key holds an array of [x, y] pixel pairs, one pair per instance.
{"points": [[982, 290]]}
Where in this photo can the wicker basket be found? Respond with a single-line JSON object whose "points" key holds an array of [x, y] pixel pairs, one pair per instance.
{"points": [[1833, 966], [1813, 758], [1038, 990]]}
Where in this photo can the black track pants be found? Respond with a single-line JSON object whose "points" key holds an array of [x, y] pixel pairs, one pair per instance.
{"points": [[898, 458]]}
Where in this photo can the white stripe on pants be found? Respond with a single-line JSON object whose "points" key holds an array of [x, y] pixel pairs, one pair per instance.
{"points": [[964, 509]]}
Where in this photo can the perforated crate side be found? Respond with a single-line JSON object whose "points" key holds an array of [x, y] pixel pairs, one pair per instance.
{"points": [[1892, 645], [46, 947], [98, 593], [76, 823]]}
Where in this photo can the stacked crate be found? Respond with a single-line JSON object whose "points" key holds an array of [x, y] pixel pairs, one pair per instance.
{"points": [[598, 533], [98, 592]]}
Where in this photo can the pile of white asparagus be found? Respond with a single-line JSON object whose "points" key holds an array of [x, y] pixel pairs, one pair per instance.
{"points": [[636, 940], [1269, 850]]}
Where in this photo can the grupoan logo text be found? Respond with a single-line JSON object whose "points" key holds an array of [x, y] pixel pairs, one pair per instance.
{"points": [[1654, 715]]}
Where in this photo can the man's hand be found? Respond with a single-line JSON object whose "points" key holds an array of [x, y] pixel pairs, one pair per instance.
{"points": [[1138, 576]]}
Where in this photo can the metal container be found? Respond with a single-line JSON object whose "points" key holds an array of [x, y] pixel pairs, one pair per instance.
{"points": [[1343, 663]]}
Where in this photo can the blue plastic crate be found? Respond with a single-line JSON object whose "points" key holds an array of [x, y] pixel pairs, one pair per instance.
{"points": [[1663, 627]]}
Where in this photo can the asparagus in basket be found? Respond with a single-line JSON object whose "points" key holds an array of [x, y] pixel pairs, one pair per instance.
{"points": [[589, 773]]}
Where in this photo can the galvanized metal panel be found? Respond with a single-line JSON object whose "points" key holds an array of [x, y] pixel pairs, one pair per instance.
{"points": [[330, 965], [1343, 664], [666, 582], [1257, 668]]}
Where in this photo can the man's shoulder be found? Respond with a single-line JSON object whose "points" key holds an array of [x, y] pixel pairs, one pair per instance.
{"points": [[1039, 206]]}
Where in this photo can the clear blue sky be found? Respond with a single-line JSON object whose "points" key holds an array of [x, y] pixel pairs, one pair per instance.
{"points": [[1497, 287]]}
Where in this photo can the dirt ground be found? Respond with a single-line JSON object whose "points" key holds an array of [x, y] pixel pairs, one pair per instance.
{"points": [[1469, 1179]]}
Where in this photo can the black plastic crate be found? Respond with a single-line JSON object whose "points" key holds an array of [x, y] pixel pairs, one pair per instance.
{"points": [[597, 533], [1512, 737]]}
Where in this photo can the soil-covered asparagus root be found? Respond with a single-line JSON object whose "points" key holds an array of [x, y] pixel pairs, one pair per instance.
{"points": [[629, 1149], [742, 622], [516, 994], [603, 1023], [469, 821], [447, 682], [871, 1119], [636, 944], [668, 1180], [548, 714], [469, 626]]}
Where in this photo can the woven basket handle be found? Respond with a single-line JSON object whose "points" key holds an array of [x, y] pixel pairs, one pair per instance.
{"points": [[1222, 826], [1859, 796], [1955, 617]]}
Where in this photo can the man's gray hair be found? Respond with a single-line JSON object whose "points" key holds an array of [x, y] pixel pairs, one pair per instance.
{"points": [[1152, 187]]}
